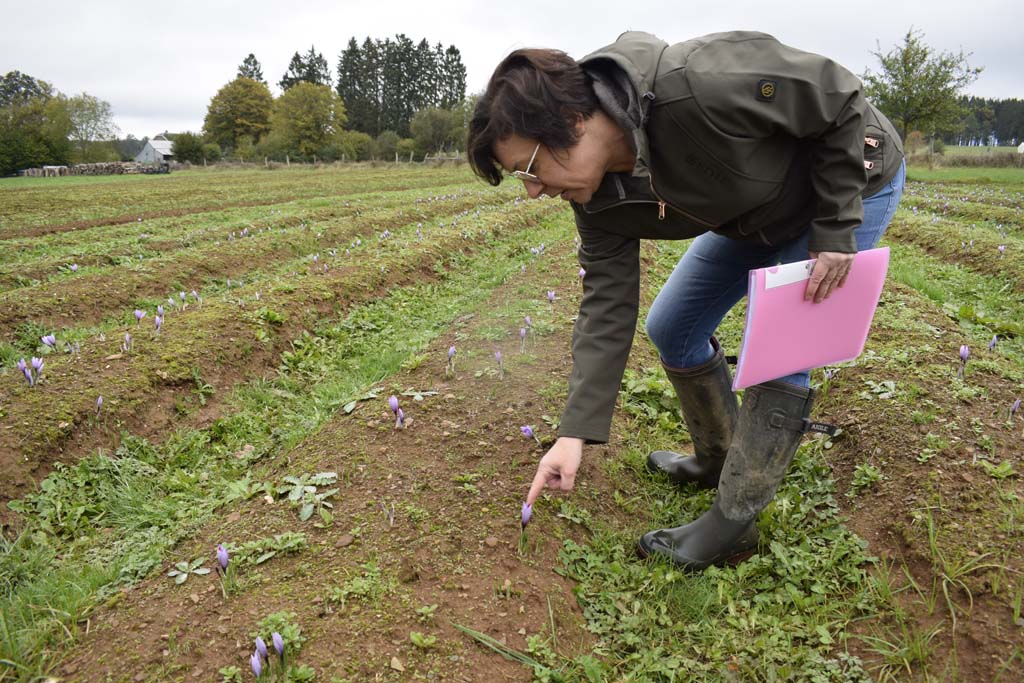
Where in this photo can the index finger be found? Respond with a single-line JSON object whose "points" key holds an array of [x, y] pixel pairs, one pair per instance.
{"points": [[537, 486]]}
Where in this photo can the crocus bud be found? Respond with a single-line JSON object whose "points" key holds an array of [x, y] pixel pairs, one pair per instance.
{"points": [[139, 315], [1002, 248], [257, 665], [160, 310], [99, 404], [393, 402], [1015, 407], [527, 513], [964, 353], [522, 333], [159, 321], [278, 643], [399, 419], [222, 556], [497, 357], [37, 364], [992, 344], [582, 273], [529, 323], [527, 431], [181, 295], [74, 267], [261, 647], [50, 340], [451, 352], [551, 296]]}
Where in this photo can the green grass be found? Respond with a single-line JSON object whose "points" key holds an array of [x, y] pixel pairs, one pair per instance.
{"points": [[967, 175]]}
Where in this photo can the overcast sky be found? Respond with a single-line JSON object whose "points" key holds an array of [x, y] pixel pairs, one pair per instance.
{"points": [[158, 64]]}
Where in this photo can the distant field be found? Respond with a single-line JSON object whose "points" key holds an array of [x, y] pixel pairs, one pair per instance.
{"points": [[952, 150], [967, 174]]}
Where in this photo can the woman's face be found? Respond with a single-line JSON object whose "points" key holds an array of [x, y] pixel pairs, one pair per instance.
{"points": [[571, 174]]}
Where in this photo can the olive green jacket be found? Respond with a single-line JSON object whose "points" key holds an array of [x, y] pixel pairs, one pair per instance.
{"points": [[734, 133]]}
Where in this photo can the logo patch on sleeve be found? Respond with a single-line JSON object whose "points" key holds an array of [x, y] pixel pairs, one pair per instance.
{"points": [[766, 90]]}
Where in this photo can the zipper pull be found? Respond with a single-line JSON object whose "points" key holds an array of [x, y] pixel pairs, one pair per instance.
{"points": [[661, 210]]}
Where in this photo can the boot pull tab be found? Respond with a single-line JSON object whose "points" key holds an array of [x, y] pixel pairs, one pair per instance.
{"points": [[779, 420]]}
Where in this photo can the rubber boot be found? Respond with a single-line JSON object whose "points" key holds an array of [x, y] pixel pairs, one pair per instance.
{"points": [[772, 419], [709, 408]]}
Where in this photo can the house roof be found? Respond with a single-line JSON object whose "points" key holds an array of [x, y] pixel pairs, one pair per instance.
{"points": [[162, 146]]}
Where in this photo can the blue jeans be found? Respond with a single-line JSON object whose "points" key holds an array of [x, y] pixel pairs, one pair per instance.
{"points": [[712, 276]]}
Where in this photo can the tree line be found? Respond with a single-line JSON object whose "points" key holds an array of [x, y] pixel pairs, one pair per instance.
{"points": [[391, 96]]}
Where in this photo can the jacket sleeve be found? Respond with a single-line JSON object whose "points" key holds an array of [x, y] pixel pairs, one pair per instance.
{"points": [[751, 85], [603, 334]]}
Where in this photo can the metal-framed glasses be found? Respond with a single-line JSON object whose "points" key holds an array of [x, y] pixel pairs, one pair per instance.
{"points": [[526, 175]]}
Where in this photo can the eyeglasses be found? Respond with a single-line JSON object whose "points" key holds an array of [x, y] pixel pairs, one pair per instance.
{"points": [[526, 175]]}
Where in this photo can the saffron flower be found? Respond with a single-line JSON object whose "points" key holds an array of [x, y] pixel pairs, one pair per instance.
{"points": [[222, 556], [450, 368], [159, 321], [529, 323], [257, 665], [965, 352], [278, 643], [261, 647], [399, 419], [73, 267], [501, 366], [160, 311], [992, 344], [37, 365], [526, 514], [99, 404], [527, 431], [551, 296], [582, 273], [393, 403], [522, 339], [1002, 248], [50, 340], [25, 371], [139, 315]]}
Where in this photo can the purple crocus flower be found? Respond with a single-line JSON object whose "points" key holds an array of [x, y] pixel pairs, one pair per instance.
{"points": [[1015, 407], [99, 404], [25, 371], [526, 514], [139, 315], [527, 431], [1002, 248], [222, 557], [37, 365], [551, 296], [261, 647], [127, 345], [73, 267], [257, 665], [181, 295], [399, 419], [160, 311], [992, 344], [159, 321], [501, 367], [582, 273], [965, 351], [393, 402], [529, 323], [50, 340], [451, 352], [278, 643]]}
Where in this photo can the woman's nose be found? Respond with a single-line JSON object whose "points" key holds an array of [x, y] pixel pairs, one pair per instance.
{"points": [[534, 190]]}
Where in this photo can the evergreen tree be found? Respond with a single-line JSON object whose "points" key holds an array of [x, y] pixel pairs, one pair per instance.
{"points": [[453, 78], [308, 68], [250, 68]]}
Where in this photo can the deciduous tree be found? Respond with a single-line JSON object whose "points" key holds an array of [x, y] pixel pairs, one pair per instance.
{"points": [[919, 87], [240, 108]]}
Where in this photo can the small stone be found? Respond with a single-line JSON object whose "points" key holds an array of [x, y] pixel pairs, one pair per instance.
{"points": [[521, 631], [194, 597], [344, 541], [396, 665], [491, 541], [234, 516], [141, 676], [114, 356], [70, 669]]}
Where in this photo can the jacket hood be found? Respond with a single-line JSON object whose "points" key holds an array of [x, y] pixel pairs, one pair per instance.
{"points": [[623, 75]]}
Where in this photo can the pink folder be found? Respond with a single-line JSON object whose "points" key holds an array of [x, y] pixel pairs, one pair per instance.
{"points": [[785, 334]]}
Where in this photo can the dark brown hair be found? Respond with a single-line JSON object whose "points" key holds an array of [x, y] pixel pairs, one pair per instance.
{"points": [[534, 93]]}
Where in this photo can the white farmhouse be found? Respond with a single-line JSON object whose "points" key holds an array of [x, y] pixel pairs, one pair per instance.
{"points": [[156, 150], [1020, 148]]}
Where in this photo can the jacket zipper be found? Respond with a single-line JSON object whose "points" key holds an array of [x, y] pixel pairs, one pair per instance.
{"points": [[662, 204]]}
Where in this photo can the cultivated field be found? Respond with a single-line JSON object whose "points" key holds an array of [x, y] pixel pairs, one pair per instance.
{"points": [[296, 302]]}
